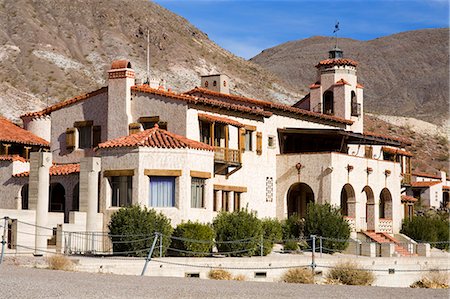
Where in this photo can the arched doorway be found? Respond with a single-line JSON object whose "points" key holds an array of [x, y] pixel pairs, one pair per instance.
{"points": [[24, 197], [57, 200], [328, 102], [370, 208], [385, 211], [299, 196], [348, 202], [445, 200], [76, 198]]}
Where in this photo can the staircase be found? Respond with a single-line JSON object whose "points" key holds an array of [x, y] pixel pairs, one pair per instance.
{"points": [[385, 238]]}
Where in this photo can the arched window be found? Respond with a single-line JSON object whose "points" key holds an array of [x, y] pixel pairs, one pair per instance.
{"points": [[328, 102], [24, 196], [206, 83], [214, 83], [385, 204], [355, 107]]}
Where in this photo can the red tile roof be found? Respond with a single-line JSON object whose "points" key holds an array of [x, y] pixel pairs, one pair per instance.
{"points": [[314, 86], [359, 85], [396, 151], [9, 132], [341, 82], [55, 170], [427, 175], [424, 184], [270, 105], [446, 188], [408, 198], [12, 158], [401, 140], [202, 101], [155, 137], [337, 61], [66, 103], [218, 119]]}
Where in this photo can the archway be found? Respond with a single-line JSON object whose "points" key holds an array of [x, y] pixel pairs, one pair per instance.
{"points": [[445, 200], [328, 102], [370, 208], [385, 211], [24, 197], [76, 198], [348, 202], [57, 200], [298, 198]]}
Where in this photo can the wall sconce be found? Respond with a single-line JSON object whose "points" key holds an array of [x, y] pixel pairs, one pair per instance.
{"points": [[387, 172], [369, 170], [349, 167], [329, 168], [299, 166]]}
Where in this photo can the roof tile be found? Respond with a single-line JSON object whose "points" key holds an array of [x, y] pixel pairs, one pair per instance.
{"points": [[408, 198], [218, 119], [11, 133], [337, 61], [12, 158], [55, 170]]}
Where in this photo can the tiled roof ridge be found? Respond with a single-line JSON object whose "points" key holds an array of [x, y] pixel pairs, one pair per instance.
{"points": [[220, 119], [12, 158], [276, 106], [426, 175], [402, 140], [57, 169], [157, 138], [66, 103], [11, 132], [200, 100], [337, 61], [408, 198]]}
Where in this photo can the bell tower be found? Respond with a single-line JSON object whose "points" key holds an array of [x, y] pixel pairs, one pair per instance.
{"points": [[337, 91]]}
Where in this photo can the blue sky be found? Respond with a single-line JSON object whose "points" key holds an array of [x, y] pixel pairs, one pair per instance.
{"points": [[247, 27]]}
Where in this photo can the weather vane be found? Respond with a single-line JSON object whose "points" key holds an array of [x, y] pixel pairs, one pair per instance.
{"points": [[336, 29]]}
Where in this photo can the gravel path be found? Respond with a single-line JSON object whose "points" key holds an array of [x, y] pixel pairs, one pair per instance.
{"points": [[19, 282]]}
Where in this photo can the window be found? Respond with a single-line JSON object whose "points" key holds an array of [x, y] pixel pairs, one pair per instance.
{"points": [[149, 122], [205, 132], [24, 195], [328, 102], [258, 143], [248, 140], [237, 201], [85, 137], [162, 191], [197, 193], [271, 141], [89, 136], [215, 203], [355, 106], [368, 152], [121, 186], [225, 201], [214, 83]]}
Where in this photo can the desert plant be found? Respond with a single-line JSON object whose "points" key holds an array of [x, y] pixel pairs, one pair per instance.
{"points": [[60, 262], [238, 233], [240, 277], [203, 234], [326, 221], [272, 232], [219, 274], [428, 228], [350, 273], [433, 280], [298, 275], [132, 230]]}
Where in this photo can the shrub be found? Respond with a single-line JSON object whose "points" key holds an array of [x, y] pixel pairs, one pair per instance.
{"points": [[428, 228], [350, 273], [219, 274], [203, 233], [290, 245], [298, 275], [59, 262], [433, 280], [326, 221], [293, 227], [272, 232], [238, 225], [240, 277], [132, 231]]}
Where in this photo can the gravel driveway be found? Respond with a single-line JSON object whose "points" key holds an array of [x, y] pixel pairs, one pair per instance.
{"points": [[20, 282]]}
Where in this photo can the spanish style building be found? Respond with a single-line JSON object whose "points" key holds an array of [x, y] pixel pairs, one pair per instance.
{"points": [[193, 154]]}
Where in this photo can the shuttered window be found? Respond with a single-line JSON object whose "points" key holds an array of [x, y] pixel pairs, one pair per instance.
{"points": [[242, 139], [134, 128], [70, 138], [259, 143]]}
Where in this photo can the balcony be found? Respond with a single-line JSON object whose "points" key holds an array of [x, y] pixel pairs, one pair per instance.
{"points": [[223, 155]]}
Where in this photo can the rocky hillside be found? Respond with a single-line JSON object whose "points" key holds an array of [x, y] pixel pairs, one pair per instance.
{"points": [[54, 49], [405, 74]]}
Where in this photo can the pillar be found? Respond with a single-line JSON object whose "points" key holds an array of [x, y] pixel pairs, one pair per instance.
{"points": [[89, 171], [387, 249], [38, 197], [368, 249], [423, 249]]}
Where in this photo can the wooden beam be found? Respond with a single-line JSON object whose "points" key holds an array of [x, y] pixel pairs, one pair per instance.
{"points": [[250, 127], [200, 174], [230, 188], [85, 123], [118, 172], [163, 172]]}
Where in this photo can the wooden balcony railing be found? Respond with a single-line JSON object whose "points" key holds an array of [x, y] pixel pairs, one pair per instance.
{"points": [[226, 155]]}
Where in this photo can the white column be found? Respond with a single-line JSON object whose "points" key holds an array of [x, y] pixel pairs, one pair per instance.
{"points": [[89, 170], [39, 183]]}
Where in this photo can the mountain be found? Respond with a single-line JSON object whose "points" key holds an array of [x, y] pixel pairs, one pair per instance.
{"points": [[405, 74], [52, 50]]}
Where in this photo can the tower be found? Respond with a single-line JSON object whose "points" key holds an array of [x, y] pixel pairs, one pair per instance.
{"points": [[337, 91]]}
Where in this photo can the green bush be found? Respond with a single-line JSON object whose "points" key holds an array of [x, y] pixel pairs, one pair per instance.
{"points": [[203, 233], [293, 227], [273, 232], [326, 221], [428, 228], [290, 245], [238, 225], [132, 231]]}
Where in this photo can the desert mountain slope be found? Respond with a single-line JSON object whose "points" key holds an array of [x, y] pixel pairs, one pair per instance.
{"points": [[405, 74], [52, 50]]}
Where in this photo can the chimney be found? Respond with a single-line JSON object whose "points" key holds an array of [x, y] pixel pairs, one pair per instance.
{"points": [[218, 83], [121, 78]]}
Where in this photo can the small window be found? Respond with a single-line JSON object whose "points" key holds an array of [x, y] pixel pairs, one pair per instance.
{"points": [[162, 191], [368, 152], [271, 141], [215, 83], [197, 193], [206, 83], [84, 137], [248, 140], [24, 195], [122, 187], [224, 83]]}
